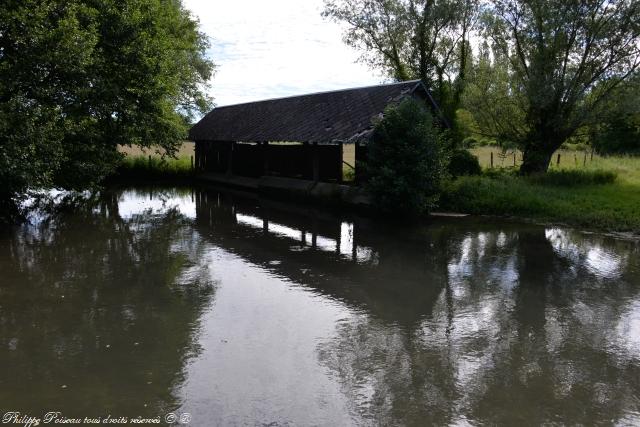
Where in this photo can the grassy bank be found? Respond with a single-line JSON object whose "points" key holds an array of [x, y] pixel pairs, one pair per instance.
{"points": [[604, 194], [145, 168]]}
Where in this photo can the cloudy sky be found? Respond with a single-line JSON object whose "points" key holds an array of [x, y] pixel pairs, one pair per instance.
{"points": [[268, 49]]}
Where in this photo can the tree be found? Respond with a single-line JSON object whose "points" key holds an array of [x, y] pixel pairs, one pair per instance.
{"points": [[493, 99], [80, 77], [564, 58], [617, 129], [412, 39], [405, 161]]}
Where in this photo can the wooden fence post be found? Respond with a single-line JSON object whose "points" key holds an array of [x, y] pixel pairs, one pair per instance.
{"points": [[558, 161], [491, 159]]}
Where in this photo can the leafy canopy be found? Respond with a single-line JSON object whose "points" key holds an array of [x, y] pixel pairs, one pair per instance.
{"points": [[558, 61], [79, 77]]}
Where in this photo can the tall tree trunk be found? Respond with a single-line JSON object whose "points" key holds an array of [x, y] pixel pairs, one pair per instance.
{"points": [[543, 140], [536, 159]]}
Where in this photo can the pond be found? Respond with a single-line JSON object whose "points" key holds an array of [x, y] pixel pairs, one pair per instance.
{"points": [[221, 308]]}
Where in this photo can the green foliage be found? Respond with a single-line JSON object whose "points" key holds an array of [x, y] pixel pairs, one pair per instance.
{"points": [[462, 163], [618, 130], [619, 136], [80, 77], [406, 161], [608, 206], [603, 195]]}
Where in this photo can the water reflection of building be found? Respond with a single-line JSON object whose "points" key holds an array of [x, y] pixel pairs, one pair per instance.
{"points": [[460, 319], [351, 260]]}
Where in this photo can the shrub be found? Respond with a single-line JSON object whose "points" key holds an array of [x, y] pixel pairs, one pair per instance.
{"points": [[406, 161], [463, 163], [619, 136]]}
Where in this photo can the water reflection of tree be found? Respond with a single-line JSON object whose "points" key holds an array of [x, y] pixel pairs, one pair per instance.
{"points": [[517, 335], [98, 313]]}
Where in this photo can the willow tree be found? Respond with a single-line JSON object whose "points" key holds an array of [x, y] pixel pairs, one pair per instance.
{"points": [[80, 77], [412, 39], [564, 59]]}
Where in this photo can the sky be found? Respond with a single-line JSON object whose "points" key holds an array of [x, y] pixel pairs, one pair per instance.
{"points": [[270, 49]]}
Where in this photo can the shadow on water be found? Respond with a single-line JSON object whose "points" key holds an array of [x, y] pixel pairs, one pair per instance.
{"points": [[452, 321], [99, 312]]}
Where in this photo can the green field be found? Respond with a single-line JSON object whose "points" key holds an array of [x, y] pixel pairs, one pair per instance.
{"points": [[567, 195]]}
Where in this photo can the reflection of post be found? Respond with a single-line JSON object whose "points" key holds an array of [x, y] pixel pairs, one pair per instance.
{"points": [[265, 225], [338, 240], [314, 233], [354, 247], [303, 237]]}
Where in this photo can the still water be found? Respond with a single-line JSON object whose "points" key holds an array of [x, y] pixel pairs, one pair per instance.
{"points": [[242, 311]]}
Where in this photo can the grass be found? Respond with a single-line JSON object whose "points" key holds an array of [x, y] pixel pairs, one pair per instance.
{"points": [[604, 194], [153, 168], [568, 158]]}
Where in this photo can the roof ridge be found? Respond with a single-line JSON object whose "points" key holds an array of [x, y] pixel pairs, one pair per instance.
{"points": [[317, 93]]}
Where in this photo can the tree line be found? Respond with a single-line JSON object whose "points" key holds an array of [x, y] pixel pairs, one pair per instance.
{"points": [[534, 73]]}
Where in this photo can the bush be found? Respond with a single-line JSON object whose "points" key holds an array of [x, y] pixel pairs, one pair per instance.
{"points": [[406, 161], [619, 136], [463, 163]]}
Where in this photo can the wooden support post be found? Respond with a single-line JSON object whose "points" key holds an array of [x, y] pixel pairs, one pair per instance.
{"points": [[592, 149], [191, 163], [491, 159], [357, 175], [558, 161], [584, 163], [265, 158], [340, 175], [230, 159], [514, 159], [315, 162]]}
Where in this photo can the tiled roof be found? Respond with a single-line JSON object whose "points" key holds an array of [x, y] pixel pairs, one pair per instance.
{"points": [[317, 117]]}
